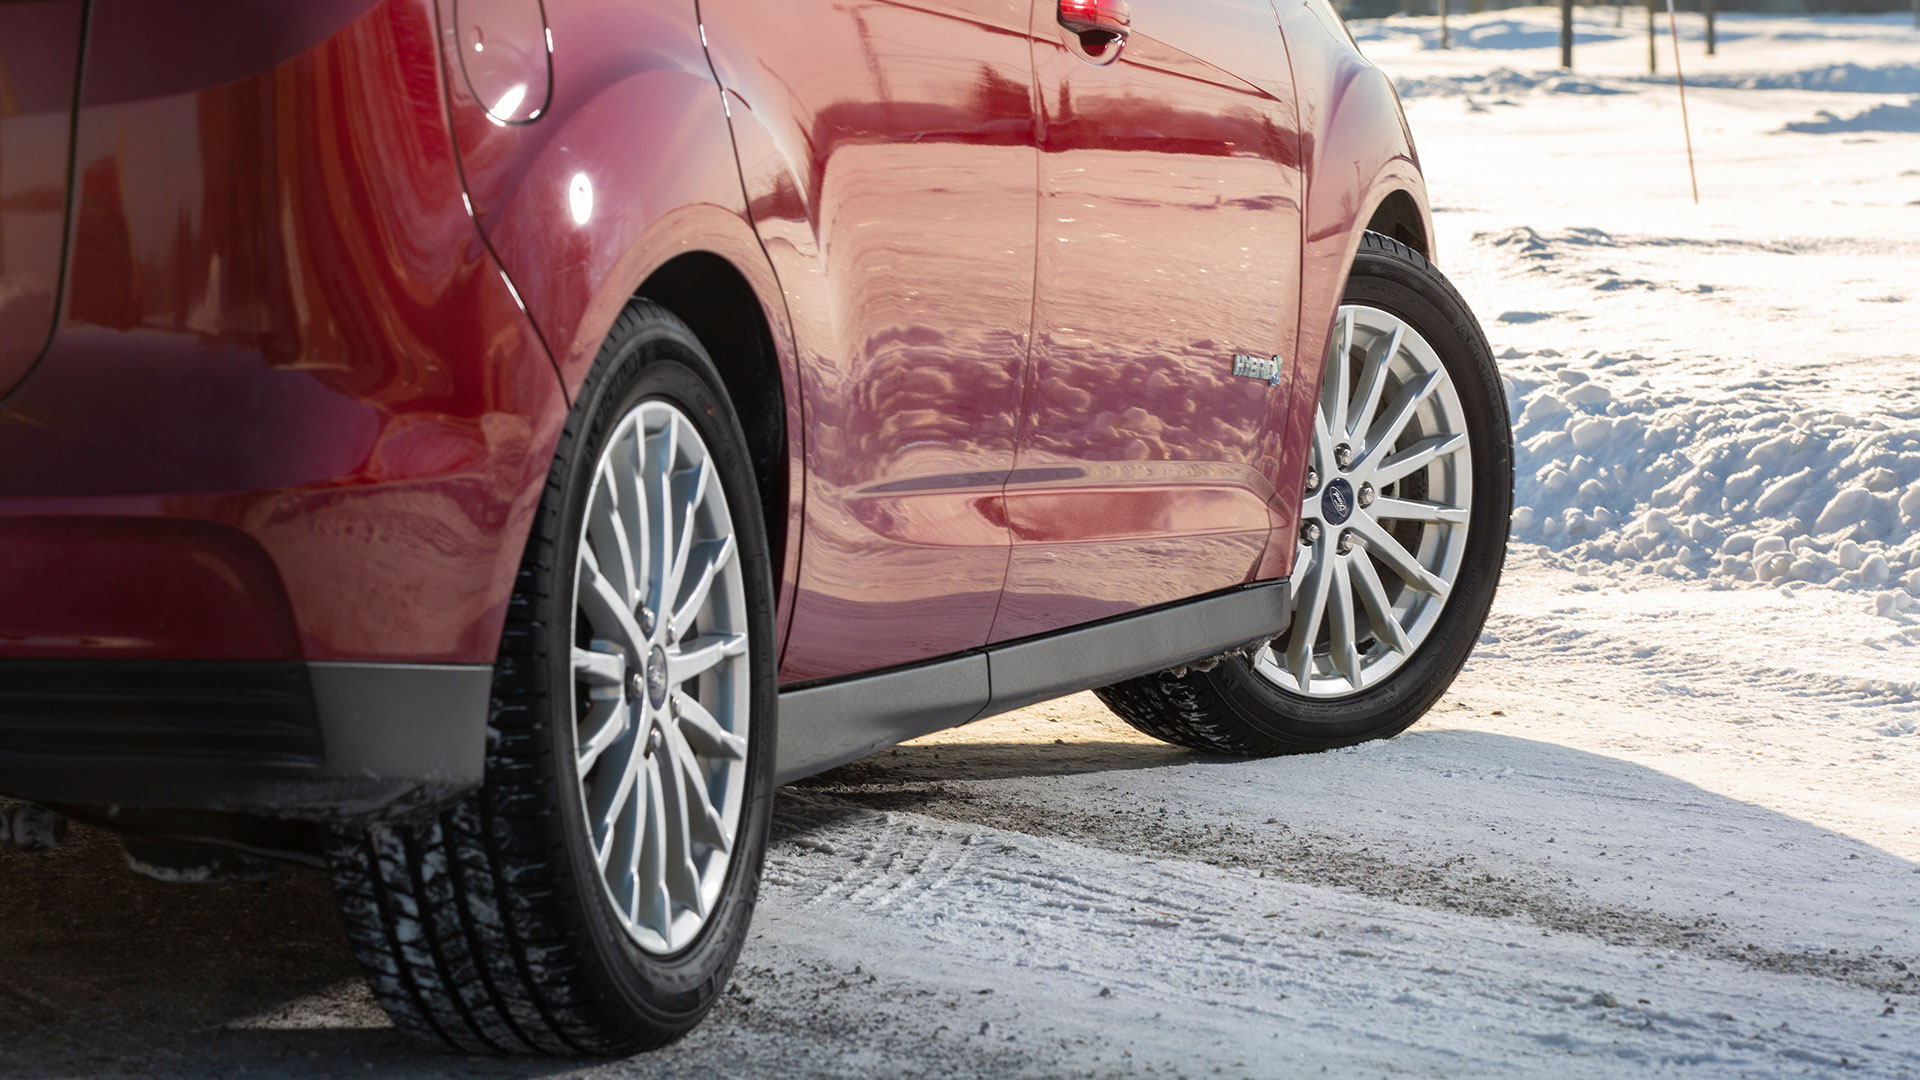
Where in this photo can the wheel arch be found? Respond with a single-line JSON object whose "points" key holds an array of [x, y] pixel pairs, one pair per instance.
{"points": [[1401, 217], [704, 263], [581, 223], [1362, 173], [720, 306]]}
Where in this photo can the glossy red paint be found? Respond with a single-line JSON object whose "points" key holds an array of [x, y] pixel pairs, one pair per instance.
{"points": [[206, 590], [1356, 150], [39, 54], [630, 167], [332, 278], [502, 54], [888, 152], [1170, 203], [286, 368]]}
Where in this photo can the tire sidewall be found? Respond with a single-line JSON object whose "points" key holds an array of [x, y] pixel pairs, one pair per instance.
{"points": [[1393, 278], [659, 359]]}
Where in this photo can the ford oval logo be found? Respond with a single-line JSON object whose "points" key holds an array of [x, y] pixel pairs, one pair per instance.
{"points": [[1336, 504]]}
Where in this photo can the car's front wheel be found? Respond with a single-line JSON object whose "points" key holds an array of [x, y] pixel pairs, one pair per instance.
{"points": [[593, 895], [1403, 532]]}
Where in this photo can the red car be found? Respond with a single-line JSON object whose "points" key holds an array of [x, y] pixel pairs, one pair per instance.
{"points": [[484, 446]]}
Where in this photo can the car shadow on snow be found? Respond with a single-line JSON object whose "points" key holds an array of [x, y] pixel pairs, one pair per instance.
{"points": [[103, 973]]}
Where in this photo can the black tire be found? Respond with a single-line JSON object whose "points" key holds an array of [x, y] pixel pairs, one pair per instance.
{"points": [[484, 928], [1232, 709]]}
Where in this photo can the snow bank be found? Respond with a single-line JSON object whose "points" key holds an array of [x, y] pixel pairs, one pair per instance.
{"points": [[1846, 78], [1721, 393], [1746, 489], [1510, 82], [1881, 117], [1501, 82]]}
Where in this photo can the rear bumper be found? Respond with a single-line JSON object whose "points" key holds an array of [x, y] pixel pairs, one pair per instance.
{"points": [[335, 742]]}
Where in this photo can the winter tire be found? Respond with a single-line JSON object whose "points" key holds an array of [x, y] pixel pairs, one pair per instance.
{"points": [[592, 896], [1403, 534]]}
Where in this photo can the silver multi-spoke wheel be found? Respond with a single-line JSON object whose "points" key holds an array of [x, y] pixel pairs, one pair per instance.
{"points": [[1383, 528], [660, 677], [592, 894], [1402, 534]]}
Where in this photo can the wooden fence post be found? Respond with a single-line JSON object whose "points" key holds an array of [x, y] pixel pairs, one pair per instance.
{"points": [[1566, 34], [1653, 58]]}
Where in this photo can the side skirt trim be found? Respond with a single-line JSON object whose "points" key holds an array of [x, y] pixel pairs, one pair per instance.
{"points": [[828, 724]]}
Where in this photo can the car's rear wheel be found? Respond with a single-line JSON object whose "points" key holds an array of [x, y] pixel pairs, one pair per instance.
{"points": [[593, 895], [1403, 533]]}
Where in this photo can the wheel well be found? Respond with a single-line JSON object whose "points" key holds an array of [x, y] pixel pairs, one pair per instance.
{"points": [[1399, 217], [716, 302]]}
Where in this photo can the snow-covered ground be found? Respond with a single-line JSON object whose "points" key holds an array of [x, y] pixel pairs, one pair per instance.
{"points": [[1728, 392], [1667, 823]]}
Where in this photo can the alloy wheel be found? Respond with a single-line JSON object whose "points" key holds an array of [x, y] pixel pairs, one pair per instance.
{"points": [[1383, 525], [660, 677]]}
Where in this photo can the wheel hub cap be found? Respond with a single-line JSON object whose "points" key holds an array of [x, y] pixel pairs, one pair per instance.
{"points": [[657, 677], [1336, 503], [1383, 541]]}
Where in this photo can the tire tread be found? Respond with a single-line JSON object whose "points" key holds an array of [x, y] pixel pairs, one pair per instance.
{"points": [[464, 922]]}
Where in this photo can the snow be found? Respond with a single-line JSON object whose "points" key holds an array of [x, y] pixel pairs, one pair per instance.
{"points": [[1725, 393], [26, 827], [1667, 822]]}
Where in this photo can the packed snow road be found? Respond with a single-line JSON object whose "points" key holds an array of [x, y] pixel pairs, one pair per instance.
{"points": [[1668, 821]]}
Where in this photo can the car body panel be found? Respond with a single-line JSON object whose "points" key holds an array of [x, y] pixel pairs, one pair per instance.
{"points": [[503, 53], [1170, 241], [580, 220], [285, 361], [39, 55], [887, 150], [1357, 151]]}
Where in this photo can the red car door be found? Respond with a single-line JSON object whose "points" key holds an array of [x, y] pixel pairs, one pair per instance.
{"points": [[888, 154], [1170, 198]]}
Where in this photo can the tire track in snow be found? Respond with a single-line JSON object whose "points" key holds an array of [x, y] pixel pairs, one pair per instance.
{"points": [[1459, 883], [1542, 638], [1070, 906]]}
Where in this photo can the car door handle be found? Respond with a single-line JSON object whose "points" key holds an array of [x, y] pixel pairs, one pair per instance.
{"points": [[1098, 22]]}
